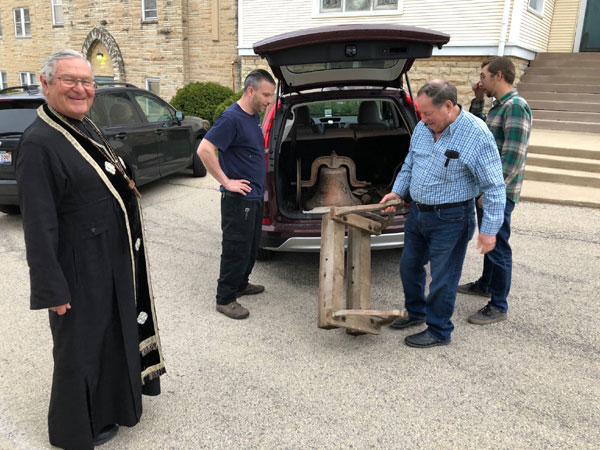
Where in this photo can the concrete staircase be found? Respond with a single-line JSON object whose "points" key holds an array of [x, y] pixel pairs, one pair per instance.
{"points": [[563, 90], [563, 162], [563, 167]]}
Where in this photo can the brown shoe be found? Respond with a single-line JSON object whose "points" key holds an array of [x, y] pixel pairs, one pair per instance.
{"points": [[251, 289], [233, 310]]}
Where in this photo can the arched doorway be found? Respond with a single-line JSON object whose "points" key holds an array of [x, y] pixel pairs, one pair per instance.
{"points": [[102, 50]]}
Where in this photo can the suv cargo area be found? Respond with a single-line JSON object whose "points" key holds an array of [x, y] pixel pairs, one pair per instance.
{"points": [[368, 138]]}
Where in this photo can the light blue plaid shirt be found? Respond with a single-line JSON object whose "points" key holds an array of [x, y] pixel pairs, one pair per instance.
{"points": [[478, 169]]}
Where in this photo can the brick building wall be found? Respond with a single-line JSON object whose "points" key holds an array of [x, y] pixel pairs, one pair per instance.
{"points": [[212, 42], [191, 40]]}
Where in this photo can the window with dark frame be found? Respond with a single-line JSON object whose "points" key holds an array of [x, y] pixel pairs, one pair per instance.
{"points": [[22, 22], [150, 10], [3, 82]]}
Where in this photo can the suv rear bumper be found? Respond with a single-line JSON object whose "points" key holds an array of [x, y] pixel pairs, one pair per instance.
{"points": [[8, 192], [313, 243]]}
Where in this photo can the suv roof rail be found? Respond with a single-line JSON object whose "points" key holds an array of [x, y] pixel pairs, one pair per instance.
{"points": [[114, 83], [34, 88]]}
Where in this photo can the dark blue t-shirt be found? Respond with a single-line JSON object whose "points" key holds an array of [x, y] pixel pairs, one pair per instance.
{"points": [[239, 139]]}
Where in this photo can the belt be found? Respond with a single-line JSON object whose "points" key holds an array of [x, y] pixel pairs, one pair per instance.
{"points": [[422, 207]]}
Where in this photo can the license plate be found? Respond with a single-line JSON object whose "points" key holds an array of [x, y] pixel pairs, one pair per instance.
{"points": [[6, 158]]}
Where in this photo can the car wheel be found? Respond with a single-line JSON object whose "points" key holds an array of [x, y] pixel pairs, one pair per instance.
{"points": [[264, 254], [10, 209], [198, 168]]}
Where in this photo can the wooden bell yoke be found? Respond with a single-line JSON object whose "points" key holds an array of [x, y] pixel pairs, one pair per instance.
{"points": [[358, 317]]}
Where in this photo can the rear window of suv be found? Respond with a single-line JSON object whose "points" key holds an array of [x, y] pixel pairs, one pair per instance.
{"points": [[328, 109], [16, 116]]}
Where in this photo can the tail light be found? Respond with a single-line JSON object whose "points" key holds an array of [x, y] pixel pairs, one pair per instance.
{"points": [[267, 125], [410, 102]]}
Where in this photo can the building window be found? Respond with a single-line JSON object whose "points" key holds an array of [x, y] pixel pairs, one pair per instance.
{"points": [[153, 85], [57, 12], [358, 6], [3, 83], [537, 6], [150, 13], [22, 23], [27, 78]]}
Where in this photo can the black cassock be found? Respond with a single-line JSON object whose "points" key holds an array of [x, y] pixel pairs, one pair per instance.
{"points": [[85, 246]]}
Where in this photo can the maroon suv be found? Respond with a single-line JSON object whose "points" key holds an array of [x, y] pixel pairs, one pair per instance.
{"points": [[341, 128]]}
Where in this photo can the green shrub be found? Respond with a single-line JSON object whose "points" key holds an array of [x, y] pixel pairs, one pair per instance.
{"points": [[200, 99], [221, 107]]}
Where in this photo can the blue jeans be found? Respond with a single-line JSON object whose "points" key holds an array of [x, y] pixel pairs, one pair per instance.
{"points": [[497, 263], [440, 237]]}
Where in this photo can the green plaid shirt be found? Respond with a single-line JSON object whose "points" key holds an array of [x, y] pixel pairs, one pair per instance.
{"points": [[509, 120]]}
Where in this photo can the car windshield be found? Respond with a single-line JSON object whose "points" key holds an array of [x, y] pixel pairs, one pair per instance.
{"points": [[16, 119]]}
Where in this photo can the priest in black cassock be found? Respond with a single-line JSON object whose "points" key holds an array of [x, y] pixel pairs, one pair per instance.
{"points": [[88, 265]]}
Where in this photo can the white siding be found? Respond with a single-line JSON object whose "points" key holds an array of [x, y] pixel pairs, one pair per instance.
{"points": [[535, 30], [467, 21]]}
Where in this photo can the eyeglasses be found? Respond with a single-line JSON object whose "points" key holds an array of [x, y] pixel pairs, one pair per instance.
{"points": [[483, 76], [70, 82]]}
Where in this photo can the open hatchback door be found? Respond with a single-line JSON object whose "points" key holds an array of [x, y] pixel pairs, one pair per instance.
{"points": [[357, 55]]}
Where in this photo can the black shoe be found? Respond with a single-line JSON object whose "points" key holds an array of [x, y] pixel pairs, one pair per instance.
{"points": [[406, 322], [423, 340], [473, 289], [251, 289], [106, 435]]}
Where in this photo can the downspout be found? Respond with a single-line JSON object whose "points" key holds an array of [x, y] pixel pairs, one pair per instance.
{"points": [[504, 27]]}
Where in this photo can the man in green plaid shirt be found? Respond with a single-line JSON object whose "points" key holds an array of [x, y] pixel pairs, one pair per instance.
{"points": [[509, 120]]}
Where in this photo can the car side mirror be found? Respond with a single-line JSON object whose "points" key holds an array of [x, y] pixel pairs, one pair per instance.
{"points": [[179, 115]]}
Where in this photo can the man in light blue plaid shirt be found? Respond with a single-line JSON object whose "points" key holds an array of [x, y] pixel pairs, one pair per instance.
{"points": [[452, 159]]}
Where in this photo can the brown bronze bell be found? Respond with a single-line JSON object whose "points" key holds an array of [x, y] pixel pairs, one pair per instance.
{"points": [[333, 189]]}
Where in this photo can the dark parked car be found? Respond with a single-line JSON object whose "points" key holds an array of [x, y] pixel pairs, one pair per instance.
{"points": [[152, 137], [342, 124]]}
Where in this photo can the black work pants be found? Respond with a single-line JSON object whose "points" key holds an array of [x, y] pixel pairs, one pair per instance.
{"points": [[241, 222]]}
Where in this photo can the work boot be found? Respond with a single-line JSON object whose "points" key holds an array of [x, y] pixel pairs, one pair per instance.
{"points": [[233, 310], [251, 289]]}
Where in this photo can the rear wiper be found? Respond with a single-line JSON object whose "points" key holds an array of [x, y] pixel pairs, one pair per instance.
{"points": [[11, 133]]}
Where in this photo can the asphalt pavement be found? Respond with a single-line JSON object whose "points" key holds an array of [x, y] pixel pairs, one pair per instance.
{"points": [[276, 381]]}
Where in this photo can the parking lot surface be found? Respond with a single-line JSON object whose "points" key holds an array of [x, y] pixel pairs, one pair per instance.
{"points": [[277, 381]]}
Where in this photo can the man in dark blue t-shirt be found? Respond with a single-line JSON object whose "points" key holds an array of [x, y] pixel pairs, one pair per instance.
{"points": [[240, 168]]}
